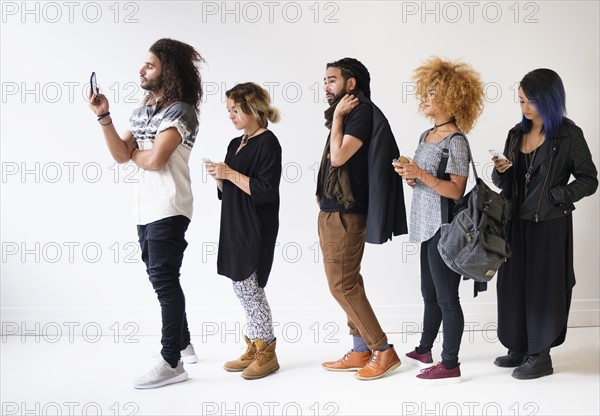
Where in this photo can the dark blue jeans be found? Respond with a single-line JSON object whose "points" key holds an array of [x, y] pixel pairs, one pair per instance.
{"points": [[439, 286], [163, 243]]}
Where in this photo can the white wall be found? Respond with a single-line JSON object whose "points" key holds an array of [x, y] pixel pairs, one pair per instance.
{"points": [[69, 244]]}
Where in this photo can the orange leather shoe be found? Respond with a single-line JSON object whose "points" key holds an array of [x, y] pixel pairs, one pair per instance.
{"points": [[380, 364], [352, 361]]}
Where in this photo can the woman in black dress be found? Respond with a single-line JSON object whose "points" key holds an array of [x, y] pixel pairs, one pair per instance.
{"points": [[535, 285], [248, 183]]}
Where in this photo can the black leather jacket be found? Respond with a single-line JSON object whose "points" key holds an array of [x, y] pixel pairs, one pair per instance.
{"points": [[550, 194]]}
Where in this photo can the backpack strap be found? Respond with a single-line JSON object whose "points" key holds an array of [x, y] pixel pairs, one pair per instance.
{"points": [[441, 174], [446, 204]]}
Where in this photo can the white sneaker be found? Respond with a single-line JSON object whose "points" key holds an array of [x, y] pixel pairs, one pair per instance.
{"points": [[188, 355], [161, 375]]}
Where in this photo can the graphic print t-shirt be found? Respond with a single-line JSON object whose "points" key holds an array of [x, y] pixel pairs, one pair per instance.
{"points": [[166, 192]]}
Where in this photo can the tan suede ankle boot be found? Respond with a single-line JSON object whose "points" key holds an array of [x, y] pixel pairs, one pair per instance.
{"points": [[245, 359], [265, 361]]}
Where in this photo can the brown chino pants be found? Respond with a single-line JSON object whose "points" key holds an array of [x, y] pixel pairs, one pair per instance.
{"points": [[342, 239]]}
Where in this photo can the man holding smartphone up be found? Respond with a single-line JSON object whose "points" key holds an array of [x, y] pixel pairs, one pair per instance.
{"points": [[159, 140]]}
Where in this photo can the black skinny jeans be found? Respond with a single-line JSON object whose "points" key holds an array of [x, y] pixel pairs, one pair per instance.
{"points": [[439, 286], [163, 243]]}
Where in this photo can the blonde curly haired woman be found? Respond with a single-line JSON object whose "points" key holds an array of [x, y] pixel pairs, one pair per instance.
{"points": [[452, 96]]}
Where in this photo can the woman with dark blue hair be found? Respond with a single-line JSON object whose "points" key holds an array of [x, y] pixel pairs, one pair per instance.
{"points": [[535, 285]]}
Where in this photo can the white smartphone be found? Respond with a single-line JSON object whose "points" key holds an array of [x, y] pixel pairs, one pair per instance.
{"points": [[498, 154]]}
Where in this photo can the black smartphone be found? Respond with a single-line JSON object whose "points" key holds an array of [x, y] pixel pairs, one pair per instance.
{"points": [[93, 84]]}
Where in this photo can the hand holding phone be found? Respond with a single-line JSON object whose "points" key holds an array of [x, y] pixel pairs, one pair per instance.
{"points": [[501, 163], [401, 159], [96, 100], [498, 154], [207, 162], [212, 173], [94, 85]]}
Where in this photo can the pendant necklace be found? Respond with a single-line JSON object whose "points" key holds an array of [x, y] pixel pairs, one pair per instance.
{"points": [[529, 166], [246, 137]]}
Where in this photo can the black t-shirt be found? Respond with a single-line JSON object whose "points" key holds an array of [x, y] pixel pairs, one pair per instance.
{"points": [[357, 124], [250, 223]]}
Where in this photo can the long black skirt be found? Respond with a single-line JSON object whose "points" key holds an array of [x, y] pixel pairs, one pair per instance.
{"points": [[534, 286]]}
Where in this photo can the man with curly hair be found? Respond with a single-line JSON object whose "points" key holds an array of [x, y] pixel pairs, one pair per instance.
{"points": [[452, 97], [159, 140]]}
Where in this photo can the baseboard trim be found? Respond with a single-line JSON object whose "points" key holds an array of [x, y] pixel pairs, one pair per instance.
{"points": [[119, 322]]}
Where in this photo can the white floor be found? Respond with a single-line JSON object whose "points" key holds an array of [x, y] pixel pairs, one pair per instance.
{"points": [[48, 376]]}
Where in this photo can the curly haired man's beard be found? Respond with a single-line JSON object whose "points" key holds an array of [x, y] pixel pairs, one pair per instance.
{"points": [[154, 85]]}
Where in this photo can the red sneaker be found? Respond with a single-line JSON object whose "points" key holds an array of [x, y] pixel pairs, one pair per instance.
{"points": [[439, 375], [422, 360]]}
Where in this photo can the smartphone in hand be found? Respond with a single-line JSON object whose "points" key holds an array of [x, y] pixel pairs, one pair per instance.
{"points": [[401, 159], [94, 85], [498, 154]]}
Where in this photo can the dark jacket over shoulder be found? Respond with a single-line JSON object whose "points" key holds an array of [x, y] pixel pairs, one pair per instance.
{"points": [[387, 214], [551, 195]]}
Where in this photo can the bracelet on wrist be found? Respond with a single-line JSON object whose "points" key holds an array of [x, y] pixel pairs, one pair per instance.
{"points": [[106, 124], [101, 116]]}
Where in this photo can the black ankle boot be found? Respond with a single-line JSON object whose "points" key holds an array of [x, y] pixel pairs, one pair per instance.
{"points": [[512, 359], [534, 366]]}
